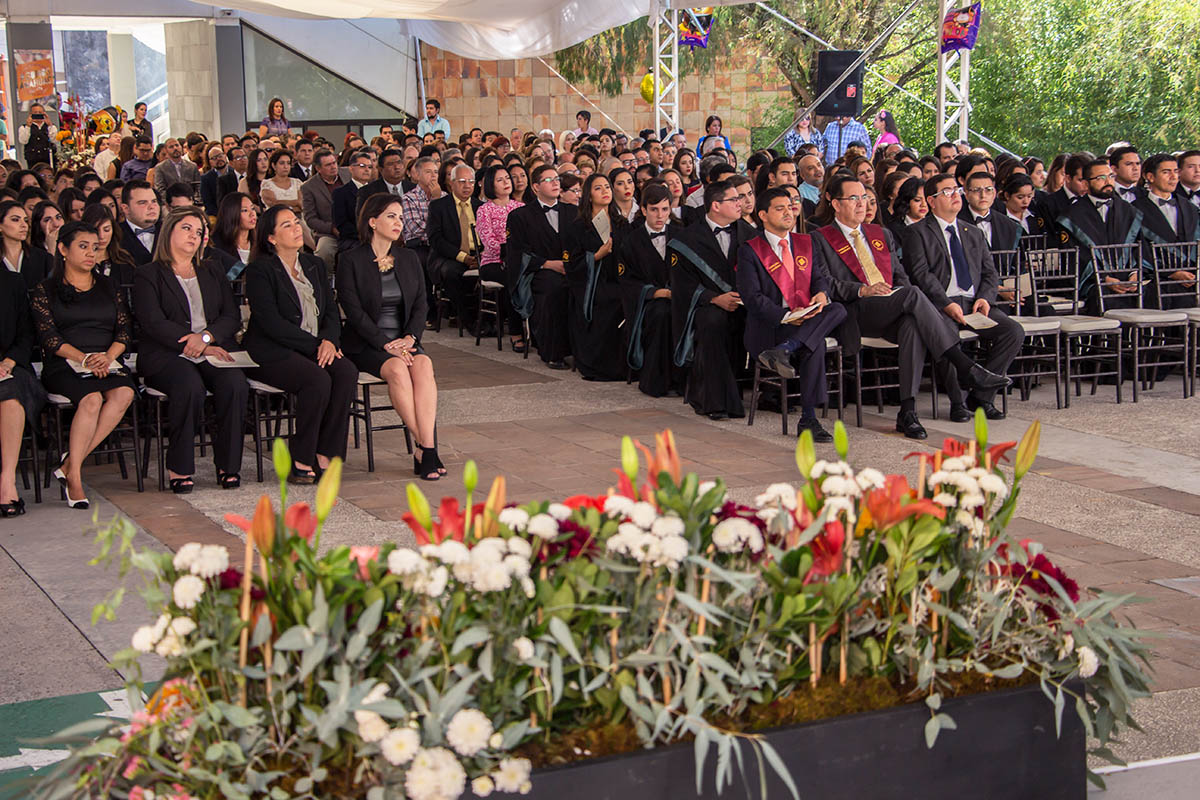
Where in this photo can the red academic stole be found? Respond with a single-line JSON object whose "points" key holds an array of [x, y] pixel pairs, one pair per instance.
{"points": [[796, 291], [875, 240]]}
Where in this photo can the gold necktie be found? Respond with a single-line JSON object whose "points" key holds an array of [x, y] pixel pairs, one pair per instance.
{"points": [[464, 225], [865, 258]]}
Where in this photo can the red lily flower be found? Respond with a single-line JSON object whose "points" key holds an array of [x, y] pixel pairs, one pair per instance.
{"points": [[887, 507], [998, 452], [300, 518], [448, 525], [578, 501], [828, 551]]}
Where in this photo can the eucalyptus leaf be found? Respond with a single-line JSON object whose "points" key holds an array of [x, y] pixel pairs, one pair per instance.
{"points": [[296, 637], [313, 657], [262, 631], [471, 637], [562, 634]]}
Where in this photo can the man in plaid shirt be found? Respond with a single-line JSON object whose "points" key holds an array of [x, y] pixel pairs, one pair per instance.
{"points": [[415, 205], [840, 134]]}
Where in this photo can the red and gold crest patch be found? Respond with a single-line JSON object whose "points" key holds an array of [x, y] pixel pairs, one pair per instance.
{"points": [[802, 262], [620, 268], [877, 244]]}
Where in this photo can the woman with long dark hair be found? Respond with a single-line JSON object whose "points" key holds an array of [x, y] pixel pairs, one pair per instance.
{"points": [[381, 288], [33, 264], [712, 132], [257, 170], [187, 314], [45, 223], [685, 165], [623, 189], [909, 206], [885, 123], [233, 234], [274, 123], [84, 330], [123, 155], [491, 223], [112, 260], [295, 337], [21, 396], [595, 314]]}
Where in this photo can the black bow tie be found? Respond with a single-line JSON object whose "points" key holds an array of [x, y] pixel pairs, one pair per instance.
{"points": [[1170, 201], [987, 218], [546, 208], [727, 229], [660, 235], [1102, 204], [140, 231]]}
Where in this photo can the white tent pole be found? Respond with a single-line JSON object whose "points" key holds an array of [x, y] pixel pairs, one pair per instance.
{"points": [[420, 74]]}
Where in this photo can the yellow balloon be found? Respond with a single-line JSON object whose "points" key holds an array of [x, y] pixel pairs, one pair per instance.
{"points": [[648, 87]]}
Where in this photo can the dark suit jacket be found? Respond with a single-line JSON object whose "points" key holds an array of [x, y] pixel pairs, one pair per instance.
{"points": [[360, 294], [638, 265], [227, 183], [16, 324], [927, 261], [1052, 206], [167, 173], [298, 172], [445, 235], [318, 206], [210, 191], [133, 245], [1184, 194], [530, 234], [377, 186], [36, 264], [1082, 217], [344, 211], [274, 329], [1006, 233], [162, 311], [764, 301], [1155, 227]]}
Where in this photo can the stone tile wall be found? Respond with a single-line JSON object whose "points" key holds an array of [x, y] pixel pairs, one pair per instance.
{"points": [[524, 93], [191, 67]]}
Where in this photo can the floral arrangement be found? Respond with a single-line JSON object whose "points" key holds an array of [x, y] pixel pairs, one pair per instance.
{"points": [[520, 636], [70, 148]]}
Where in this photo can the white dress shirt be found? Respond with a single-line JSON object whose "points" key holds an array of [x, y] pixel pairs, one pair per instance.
{"points": [[1102, 206], [1021, 220], [660, 243], [394, 189], [1168, 209], [551, 215], [722, 237], [953, 289]]}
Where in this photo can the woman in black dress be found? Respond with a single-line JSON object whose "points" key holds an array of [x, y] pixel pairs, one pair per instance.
{"points": [[233, 234], [186, 308], [21, 396], [295, 337], [112, 259], [381, 288], [591, 263], [81, 318], [33, 264]]}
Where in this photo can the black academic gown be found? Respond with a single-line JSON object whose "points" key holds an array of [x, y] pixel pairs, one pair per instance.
{"points": [[642, 272], [1006, 232], [1157, 230], [709, 339], [596, 314], [1084, 229], [539, 295]]}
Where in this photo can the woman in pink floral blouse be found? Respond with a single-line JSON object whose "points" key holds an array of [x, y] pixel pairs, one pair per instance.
{"points": [[491, 223]]}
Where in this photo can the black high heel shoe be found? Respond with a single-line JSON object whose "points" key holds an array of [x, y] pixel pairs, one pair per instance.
{"points": [[427, 469], [14, 509]]}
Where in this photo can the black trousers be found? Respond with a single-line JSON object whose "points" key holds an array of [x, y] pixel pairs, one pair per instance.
{"points": [[908, 318], [448, 273], [322, 402], [1005, 342], [551, 299], [497, 273], [658, 374], [184, 384], [805, 344]]}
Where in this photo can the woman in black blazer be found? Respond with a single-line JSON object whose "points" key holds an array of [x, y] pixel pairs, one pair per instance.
{"points": [[32, 263], [187, 313], [21, 395], [295, 336], [381, 288]]}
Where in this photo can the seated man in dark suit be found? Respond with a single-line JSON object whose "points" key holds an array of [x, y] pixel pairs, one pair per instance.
{"points": [[1052, 206], [317, 195], [646, 291], [707, 315], [951, 263], [344, 201], [239, 162], [779, 272], [390, 180], [1100, 218], [536, 269], [210, 194], [870, 281], [1168, 219], [453, 244], [139, 231], [999, 230]]}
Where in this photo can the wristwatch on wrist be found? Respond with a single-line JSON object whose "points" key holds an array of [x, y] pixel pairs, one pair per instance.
{"points": [[206, 337]]}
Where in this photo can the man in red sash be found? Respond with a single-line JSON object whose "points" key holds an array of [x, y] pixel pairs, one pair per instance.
{"points": [[882, 302], [779, 272]]}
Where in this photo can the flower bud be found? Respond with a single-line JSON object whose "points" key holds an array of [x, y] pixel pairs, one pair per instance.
{"points": [[419, 506], [327, 490], [629, 458], [981, 430], [470, 476], [1027, 449], [262, 527], [282, 459], [806, 454], [841, 441]]}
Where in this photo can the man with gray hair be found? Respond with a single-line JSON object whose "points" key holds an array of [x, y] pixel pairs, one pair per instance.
{"points": [[713, 168], [453, 243]]}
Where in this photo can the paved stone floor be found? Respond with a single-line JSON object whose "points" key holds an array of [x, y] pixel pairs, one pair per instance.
{"points": [[1114, 495]]}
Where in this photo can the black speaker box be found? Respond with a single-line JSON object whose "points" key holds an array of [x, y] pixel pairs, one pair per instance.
{"points": [[845, 100]]}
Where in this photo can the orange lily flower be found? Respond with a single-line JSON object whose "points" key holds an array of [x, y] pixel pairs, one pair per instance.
{"points": [[448, 525], [887, 507]]}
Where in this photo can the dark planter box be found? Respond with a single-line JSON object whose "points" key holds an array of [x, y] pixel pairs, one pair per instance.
{"points": [[1005, 748]]}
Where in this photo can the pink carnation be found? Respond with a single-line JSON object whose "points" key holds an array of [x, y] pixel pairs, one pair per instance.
{"points": [[364, 556]]}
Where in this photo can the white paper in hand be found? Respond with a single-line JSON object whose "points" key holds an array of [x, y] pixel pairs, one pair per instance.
{"points": [[603, 225], [799, 313], [241, 360], [978, 322]]}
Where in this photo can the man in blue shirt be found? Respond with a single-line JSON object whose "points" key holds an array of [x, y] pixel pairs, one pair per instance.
{"points": [[840, 134], [433, 121]]}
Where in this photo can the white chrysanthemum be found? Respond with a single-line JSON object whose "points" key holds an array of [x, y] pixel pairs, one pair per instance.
{"points": [[524, 648], [768, 514], [629, 529], [403, 561], [211, 561], [488, 551], [783, 494], [543, 526], [527, 587], [514, 518], [435, 774], [491, 578], [400, 745], [1089, 663], [559, 511], [170, 647], [451, 552], [971, 500], [674, 551], [823, 467], [838, 505], [185, 556], [519, 547], [517, 566], [432, 583], [496, 741], [482, 786], [378, 692], [669, 525], [182, 626], [870, 478], [836, 486], [525, 788], [144, 639], [371, 726], [977, 472], [160, 625], [618, 505], [944, 499], [994, 485], [187, 591], [937, 478], [956, 464], [511, 774], [643, 515], [735, 533], [754, 540], [1067, 647], [469, 731]]}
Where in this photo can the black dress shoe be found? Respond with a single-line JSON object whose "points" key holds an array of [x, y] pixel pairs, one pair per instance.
{"points": [[989, 410], [960, 414], [981, 378], [717, 416], [910, 425], [557, 365], [819, 434], [778, 361]]}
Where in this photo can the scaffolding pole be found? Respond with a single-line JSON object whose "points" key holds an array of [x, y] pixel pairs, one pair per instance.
{"points": [[953, 87], [665, 22]]}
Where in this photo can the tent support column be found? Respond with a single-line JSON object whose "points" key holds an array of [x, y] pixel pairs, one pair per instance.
{"points": [[665, 22]]}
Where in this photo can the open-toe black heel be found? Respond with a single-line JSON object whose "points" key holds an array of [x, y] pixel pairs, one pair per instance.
{"points": [[228, 480], [304, 477], [429, 465], [14, 509], [182, 485]]}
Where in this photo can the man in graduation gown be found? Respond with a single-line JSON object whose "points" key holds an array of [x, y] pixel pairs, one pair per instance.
{"points": [[1168, 219], [951, 263], [779, 272], [646, 294], [1000, 231], [868, 278], [535, 267], [707, 314], [1053, 205], [1101, 218]]}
